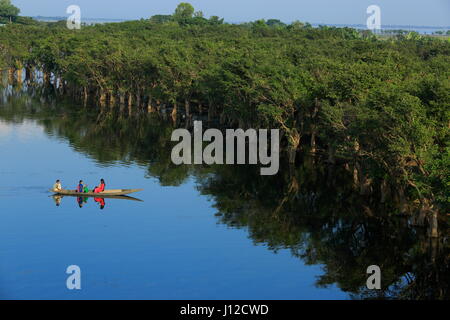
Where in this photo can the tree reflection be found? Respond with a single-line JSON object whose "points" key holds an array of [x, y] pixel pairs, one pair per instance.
{"points": [[315, 210]]}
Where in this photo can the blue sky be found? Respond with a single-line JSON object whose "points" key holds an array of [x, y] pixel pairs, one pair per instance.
{"points": [[398, 12]]}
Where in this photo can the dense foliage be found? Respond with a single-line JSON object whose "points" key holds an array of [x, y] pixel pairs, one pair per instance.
{"points": [[379, 105]]}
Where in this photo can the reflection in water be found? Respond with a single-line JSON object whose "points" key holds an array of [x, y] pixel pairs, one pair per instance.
{"points": [[327, 223], [81, 201], [100, 201], [318, 210], [57, 200]]}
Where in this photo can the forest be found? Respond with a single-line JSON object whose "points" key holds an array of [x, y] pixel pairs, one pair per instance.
{"points": [[376, 106]]}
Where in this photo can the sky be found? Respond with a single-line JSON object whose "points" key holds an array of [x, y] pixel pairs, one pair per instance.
{"points": [[393, 12]]}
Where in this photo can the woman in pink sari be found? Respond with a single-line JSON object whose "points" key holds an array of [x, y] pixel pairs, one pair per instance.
{"points": [[101, 187]]}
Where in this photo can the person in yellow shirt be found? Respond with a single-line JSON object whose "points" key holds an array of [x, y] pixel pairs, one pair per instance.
{"points": [[57, 186]]}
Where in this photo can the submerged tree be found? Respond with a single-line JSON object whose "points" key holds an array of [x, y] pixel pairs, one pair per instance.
{"points": [[379, 107]]}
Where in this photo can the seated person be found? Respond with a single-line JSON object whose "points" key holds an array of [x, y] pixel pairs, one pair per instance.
{"points": [[80, 187], [101, 187], [57, 186]]}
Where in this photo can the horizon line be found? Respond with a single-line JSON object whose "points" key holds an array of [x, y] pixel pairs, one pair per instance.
{"points": [[237, 22]]}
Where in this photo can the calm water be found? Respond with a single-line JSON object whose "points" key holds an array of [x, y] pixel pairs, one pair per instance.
{"points": [[200, 232]]}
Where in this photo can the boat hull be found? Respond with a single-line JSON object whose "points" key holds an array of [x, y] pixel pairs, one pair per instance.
{"points": [[104, 194], [60, 196]]}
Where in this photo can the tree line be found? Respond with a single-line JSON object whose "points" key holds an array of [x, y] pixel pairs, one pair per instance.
{"points": [[378, 106]]}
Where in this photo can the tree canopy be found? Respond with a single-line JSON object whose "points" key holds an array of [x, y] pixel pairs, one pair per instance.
{"points": [[8, 11], [183, 11]]}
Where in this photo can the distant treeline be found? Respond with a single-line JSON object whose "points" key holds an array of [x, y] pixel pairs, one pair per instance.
{"points": [[380, 105]]}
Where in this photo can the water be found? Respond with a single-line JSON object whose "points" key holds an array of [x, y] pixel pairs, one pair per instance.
{"points": [[200, 233], [168, 247], [425, 30], [419, 29]]}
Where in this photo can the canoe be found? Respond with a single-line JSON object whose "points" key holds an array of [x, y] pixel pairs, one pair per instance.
{"points": [[106, 193], [104, 197]]}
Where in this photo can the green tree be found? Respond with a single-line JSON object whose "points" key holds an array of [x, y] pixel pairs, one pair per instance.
{"points": [[184, 11], [215, 20], [8, 10], [160, 18], [275, 23]]}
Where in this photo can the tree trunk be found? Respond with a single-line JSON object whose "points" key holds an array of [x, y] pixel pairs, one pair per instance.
{"points": [[356, 170], [85, 96], [365, 187], [331, 155], [150, 108], [138, 100], [102, 97], [293, 144], [313, 140], [122, 99], [11, 76], [174, 112], [29, 73], [19, 76], [187, 107], [130, 101], [211, 111], [433, 230], [112, 99], [62, 86], [402, 200], [47, 79], [383, 190]]}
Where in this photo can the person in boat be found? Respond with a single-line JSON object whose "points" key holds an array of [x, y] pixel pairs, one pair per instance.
{"points": [[57, 186], [80, 187], [101, 187]]}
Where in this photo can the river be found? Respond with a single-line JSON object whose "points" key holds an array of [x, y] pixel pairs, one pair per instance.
{"points": [[200, 232]]}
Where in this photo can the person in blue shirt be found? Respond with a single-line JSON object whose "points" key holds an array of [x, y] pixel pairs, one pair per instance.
{"points": [[80, 188]]}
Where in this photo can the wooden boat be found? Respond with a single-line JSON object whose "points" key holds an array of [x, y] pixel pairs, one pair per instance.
{"points": [[104, 197], [104, 194]]}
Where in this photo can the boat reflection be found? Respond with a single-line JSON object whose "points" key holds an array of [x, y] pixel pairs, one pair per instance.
{"points": [[101, 201]]}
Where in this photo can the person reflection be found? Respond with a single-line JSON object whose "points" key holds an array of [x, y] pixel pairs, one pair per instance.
{"points": [[101, 202], [80, 202], [57, 200]]}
